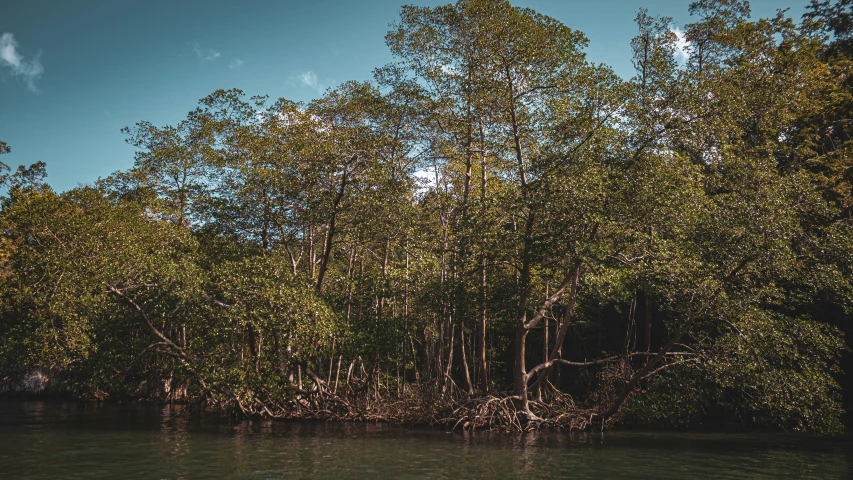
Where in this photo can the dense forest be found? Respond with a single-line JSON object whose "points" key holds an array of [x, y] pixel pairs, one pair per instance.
{"points": [[494, 232]]}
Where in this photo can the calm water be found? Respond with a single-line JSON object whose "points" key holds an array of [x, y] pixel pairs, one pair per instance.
{"points": [[71, 440]]}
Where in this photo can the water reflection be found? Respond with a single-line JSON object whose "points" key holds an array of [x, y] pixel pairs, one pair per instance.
{"points": [[80, 440]]}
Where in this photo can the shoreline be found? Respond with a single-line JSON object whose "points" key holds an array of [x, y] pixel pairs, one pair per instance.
{"points": [[456, 425]]}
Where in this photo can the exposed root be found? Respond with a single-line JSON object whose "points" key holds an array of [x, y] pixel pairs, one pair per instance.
{"points": [[419, 407]]}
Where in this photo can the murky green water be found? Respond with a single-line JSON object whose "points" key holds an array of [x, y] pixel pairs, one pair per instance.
{"points": [[71, 440]]}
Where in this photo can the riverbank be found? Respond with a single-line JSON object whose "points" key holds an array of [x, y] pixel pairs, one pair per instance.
{"points": [[413, 405], [483, 414], [40, 440]]}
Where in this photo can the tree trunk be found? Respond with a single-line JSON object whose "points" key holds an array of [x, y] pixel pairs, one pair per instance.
{"points": [[648, 333], [481, 333], [449, 366], [466, 371], [338, 374], [330, 230], [556, 352], [520, 375], [481, 340], [519, 370]]}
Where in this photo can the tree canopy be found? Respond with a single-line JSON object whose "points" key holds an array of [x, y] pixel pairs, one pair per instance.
{"points": [[493, 220]]}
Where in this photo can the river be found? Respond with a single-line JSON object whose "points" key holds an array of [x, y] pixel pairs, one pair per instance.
{"points": [[53, 440]]}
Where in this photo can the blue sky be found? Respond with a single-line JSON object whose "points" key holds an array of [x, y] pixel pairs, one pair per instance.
{"points": [[73, 73]]}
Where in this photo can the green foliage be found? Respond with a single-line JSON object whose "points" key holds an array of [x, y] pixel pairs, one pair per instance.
{"points": [[70, 251], [764, 370], [491, 203]]}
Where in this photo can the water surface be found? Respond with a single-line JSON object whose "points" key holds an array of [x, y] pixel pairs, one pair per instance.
{"points": [[40, 440]]}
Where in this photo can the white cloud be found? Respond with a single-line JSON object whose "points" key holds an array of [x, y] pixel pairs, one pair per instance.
{"points": [[682, 46], [236, 63], [28, 70], [205, 56], [309, 79]]}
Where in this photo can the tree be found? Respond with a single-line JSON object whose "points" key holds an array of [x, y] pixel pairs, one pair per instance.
{"points": [[494, 219]]}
